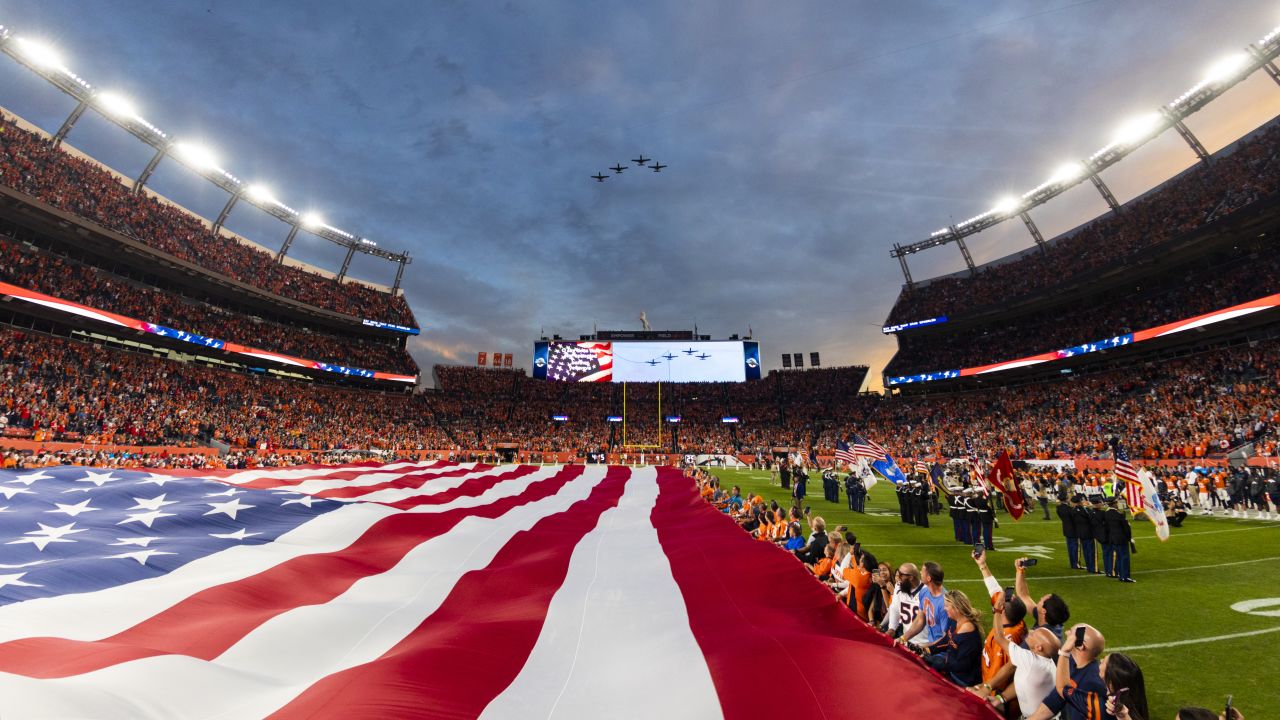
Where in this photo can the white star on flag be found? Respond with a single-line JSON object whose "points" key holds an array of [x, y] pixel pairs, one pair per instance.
{"points": [[156, 479], [73, 510], [98, 479], [229, 508], [47, 534], [146, 518], [304, 500], [228, 493], [9, 492], [240, 534], [139, 541], [31, 477], [154, 503], [140, 555], [16, 579]]}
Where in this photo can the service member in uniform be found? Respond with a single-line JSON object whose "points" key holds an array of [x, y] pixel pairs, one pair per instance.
{"points": [[850, 483], [1084, 533], [959, 515], [1067, 516], [987, 519], [1120, 535], [1098, 524], [920, 504], [784, 473]]}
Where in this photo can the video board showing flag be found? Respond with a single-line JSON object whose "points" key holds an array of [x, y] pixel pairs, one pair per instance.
{"points": [[685, 361]]}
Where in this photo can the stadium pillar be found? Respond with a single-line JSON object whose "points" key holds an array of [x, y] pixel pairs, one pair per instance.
{"points": [[404, 257], [150, 168], [1031, 228], [70, 122], [1104, 191], [346, 262], [284, 249], [964, 250], [1187, 135], [1268, 66], [902, 260], [226, 210]]}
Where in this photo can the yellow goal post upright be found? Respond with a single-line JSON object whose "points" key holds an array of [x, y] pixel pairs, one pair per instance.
{"points": [[625, 445]]}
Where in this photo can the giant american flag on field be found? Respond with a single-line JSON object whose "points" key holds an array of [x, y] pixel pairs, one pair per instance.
{"points": [[415, 590]]}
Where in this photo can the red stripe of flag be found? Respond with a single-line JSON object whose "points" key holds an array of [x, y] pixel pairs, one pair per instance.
{"points": [[473, 646], [209, 622], [763, 622]]}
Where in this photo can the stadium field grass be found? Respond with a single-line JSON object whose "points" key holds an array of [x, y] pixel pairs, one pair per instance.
{"points": [[1176, 621]]}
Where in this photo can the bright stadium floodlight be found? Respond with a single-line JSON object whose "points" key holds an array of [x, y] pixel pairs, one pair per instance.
{"points": [[198, 156], [1226, 68], [1066, 173], [312, 221], [1006, 205], [261, 194], [1136, 129], [115, 105], [40, 54]]}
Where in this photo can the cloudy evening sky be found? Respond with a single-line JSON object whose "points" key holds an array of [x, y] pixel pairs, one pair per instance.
{"points": [[803, 139]]}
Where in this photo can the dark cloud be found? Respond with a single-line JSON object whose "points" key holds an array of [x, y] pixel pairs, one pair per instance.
{"points": [[803, 141]]}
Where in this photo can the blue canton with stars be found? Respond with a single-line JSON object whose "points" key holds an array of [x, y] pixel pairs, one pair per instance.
{"points": [[78, 529]]}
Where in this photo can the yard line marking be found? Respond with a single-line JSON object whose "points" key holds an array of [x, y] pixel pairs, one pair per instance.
{"points": [[1197, 641], [1086, 576]]}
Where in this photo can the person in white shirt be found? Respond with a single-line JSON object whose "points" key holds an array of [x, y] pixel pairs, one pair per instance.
{"points": [[1034, 671]]}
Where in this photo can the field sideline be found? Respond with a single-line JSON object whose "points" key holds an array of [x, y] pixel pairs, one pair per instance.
{"points": [[1176, 621]]}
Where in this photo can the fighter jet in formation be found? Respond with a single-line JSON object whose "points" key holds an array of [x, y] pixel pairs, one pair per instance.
{"points": [[619, 167]]}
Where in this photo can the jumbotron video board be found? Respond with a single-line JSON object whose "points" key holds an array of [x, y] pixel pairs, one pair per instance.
{"points": [[663, 361]]}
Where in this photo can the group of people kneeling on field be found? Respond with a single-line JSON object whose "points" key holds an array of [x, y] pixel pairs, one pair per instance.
{"points": [[1034, 666]]}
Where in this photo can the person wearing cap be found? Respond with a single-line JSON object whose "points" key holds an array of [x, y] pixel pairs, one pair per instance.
{"points": [[1098, 524], [1120, 534], [1067, 517], [959, 515], [920, 504], [1084, 532]]}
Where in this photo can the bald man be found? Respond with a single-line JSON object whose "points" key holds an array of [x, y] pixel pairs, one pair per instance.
{"points": [[1079, 692], [1034, 671]]}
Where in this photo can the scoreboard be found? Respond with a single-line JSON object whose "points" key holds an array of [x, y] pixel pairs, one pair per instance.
{"points": [[640, 361]]}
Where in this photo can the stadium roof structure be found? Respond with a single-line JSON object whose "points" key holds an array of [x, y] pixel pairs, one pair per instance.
{"points": [[1221, 76], [48, 63]]}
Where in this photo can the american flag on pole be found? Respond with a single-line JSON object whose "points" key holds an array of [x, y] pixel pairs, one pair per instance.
{"points": [[417, 590], [844, 454], [865, 448], [975, 467], [1125, 470], [922, 467]]}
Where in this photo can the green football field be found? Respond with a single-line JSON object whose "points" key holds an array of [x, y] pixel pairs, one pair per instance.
{"points": [[1177, 621]]}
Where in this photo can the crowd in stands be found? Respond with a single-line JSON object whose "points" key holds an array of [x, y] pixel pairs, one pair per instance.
{"points": [[1185, 408], [31, 164], [54, 390], [66, 279], [1190, 408], [1027, 657], [1202, 288], [1190, 201]]}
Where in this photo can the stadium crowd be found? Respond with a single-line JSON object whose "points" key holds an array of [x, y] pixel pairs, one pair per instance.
{"points": [[53, 389], [1025, 656], [66, 279], [1203, 287], [31, 164], [1199, 196]]}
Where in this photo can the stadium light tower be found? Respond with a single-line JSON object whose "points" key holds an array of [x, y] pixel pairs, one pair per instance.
{"points": [[1220, 77], [48, 63]]}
